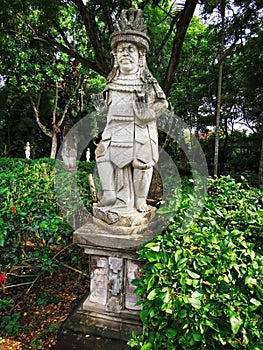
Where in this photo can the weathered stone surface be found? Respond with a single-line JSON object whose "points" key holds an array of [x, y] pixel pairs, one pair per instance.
{"points": [[133, 271], [114, 265], [111, 288], [92, 237], [115, 284], [122, 222], [98, 280], [95, 322]]}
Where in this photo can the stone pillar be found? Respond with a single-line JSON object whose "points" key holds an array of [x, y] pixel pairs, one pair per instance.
{"points": [[109, 309]]}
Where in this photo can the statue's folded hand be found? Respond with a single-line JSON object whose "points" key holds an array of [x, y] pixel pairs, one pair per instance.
{"points": [[99, 102], [143, 110]]}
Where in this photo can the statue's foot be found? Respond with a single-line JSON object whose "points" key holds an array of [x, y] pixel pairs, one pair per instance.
{"points": [[108, 198], [141, 205]]}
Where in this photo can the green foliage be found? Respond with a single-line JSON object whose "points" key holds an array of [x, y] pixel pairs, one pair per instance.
{"points": [[30, 215], [11, 323], [202, 284], [240, 153], [4, 304], [46, 299]]}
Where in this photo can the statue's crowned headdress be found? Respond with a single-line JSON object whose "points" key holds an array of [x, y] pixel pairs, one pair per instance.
{"points": [[131, 28]]}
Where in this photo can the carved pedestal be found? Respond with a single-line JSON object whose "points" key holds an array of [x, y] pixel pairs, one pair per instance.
{"points": [[111, 287], [118, 222], [109, 310]]}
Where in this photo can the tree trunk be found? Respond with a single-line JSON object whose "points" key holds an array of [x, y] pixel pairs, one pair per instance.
{"points": [[219, 88], [54, 145], [217, 130], [182, 26], [260, 170]]}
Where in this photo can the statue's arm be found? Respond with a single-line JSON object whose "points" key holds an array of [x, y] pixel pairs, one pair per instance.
{"points": [[159, 107]]}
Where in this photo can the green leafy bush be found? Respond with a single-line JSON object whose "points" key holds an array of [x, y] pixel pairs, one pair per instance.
{"points": [[11, 324], [29, 212], [202, 285]]}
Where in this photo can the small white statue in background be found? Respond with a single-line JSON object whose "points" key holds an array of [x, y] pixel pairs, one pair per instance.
{"points": [[27, 150], [88, 155]]}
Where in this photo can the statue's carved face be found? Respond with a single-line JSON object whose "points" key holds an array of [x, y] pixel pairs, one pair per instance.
{"points": [[128, 57]]}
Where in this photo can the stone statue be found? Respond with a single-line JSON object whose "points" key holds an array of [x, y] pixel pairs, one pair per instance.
{"points": [[132, 100], [27, 150], [88, 155]]}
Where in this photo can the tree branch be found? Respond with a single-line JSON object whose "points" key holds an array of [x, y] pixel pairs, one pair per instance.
{"points": [[17, 285], [75, 270], [62, 33], [59, 123], [71, 52], [226, 53], [36, 113], [167, 36], [55, 106], [182, 26], [108, 18], [92, 30]]}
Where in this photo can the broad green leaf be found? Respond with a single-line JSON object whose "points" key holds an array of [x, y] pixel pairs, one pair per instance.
{"points": [[236, 323], [144, 315], [153, 246], [147, 346], [171, 333], [249, 280], [152, 295], [169, 311], [196, 303], [255, 301], [197, 336], [212, 325], [177, 254], [151, 282], [182, 313], [193, 274]]}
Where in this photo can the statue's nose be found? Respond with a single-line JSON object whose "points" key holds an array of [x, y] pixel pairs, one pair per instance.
{"points": [[125, 51]]}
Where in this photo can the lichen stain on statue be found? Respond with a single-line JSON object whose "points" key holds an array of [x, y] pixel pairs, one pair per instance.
{"points": [[128, 150]]}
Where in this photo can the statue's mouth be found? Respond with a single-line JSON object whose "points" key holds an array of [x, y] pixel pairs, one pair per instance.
{"points": [[126, 60]]}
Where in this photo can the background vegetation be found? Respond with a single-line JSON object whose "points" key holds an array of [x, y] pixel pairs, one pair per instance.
{"points": [[54, 56], [201, 286]]}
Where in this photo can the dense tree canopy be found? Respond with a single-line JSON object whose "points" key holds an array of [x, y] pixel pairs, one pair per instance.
{"points": [[81, 29], [59, 52]]}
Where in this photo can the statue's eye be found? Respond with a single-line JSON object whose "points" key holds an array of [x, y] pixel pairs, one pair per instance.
{"points": [[131, 49]]}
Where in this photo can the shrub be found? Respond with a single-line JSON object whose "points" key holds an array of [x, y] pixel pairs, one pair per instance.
{"points": [[202, 286], [29, 213]]}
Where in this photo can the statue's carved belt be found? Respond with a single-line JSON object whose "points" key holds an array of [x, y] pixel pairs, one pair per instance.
{"points": [[122, 118], [122, 144]]}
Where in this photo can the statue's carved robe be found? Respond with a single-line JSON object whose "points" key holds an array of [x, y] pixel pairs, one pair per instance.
{"points": [[127, 138]]}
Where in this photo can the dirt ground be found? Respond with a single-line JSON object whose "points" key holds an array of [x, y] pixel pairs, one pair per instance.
{"points": [[42, 309]]}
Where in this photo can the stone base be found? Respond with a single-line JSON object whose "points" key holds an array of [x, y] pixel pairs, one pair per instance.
{"points": [[87, 323], [121, 222], [110, 309], [95, 331], [96, 236]]}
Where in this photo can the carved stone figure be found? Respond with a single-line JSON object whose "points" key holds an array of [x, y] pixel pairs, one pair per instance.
{"points": [[27, 150], [132, 100]]}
